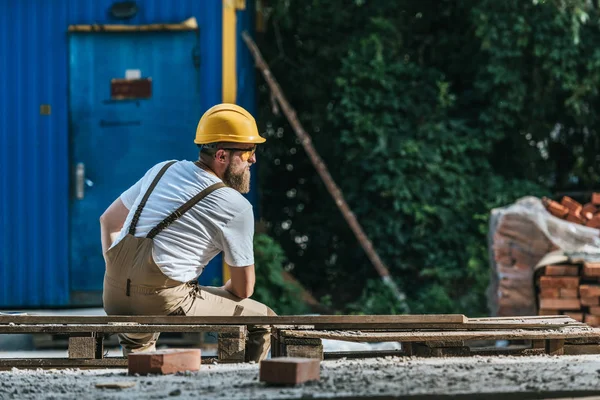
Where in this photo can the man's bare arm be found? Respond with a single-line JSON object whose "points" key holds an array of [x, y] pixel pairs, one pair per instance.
{"points": [[111, 223], [242, 281]]}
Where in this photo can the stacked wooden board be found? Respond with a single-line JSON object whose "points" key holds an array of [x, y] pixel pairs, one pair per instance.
{"points": [[570, 289]]}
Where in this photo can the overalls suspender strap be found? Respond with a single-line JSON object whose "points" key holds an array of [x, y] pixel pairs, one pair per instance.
{"points": [[177, 213], [138, 211], [183, 209]]}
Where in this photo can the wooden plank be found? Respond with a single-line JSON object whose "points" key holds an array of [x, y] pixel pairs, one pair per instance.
{"points": [[186, 324], [578, 349], [130, 328], [546, 322], [421, 350], [239, 320], [518, 318], [121, 328], [108, 362], [424, 336], [333, 355], [555, 347], [88, 346], [307, 348], [508, 351], [232, 347]]}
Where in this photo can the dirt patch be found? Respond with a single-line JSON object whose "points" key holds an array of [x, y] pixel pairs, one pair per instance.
{"points": [[389, 377]]}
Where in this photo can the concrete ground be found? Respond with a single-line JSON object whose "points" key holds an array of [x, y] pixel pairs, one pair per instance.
{"points": [[381, 378]]}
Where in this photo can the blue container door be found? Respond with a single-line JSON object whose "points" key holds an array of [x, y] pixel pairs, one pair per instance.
{"points": [[113, 140]]}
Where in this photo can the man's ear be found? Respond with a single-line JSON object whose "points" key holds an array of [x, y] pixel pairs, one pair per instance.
{"points": [[220, 155]]}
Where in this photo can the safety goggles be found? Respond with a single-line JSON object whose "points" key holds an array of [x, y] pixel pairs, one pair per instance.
{"points": [[245, 154]]}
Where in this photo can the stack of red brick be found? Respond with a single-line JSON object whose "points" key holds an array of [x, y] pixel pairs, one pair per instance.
{"points": [[573, 211], [570, 289], [518, 245]]}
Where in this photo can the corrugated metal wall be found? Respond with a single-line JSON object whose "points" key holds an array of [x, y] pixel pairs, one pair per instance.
{"points": [[34, 148]]}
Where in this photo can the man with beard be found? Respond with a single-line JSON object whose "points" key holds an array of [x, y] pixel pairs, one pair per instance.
{"points": [[158, 236]]}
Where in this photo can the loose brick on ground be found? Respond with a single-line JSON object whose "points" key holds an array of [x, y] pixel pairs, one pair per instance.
{"points": [[596, 199], [163, 362], [290, 370]]}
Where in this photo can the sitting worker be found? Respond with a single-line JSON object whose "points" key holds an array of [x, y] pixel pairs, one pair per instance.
{"points": [[174, 220]]}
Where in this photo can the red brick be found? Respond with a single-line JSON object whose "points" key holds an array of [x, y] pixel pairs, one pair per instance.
{"points": [[555, 208], [589, 209], [594, 222], [573, 206], [592, 320], [594, 310], [548, 312], [576, 218], [590, 301], [290, 370], [560, 304], [562, 270], [577, 316], [589, 290], [591, 269], [550, 293], [559, 282], [163, 362], [596, 199], [568, 293]]}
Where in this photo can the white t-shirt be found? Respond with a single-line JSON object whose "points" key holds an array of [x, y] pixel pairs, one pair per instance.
{"points": [[222, 221]]}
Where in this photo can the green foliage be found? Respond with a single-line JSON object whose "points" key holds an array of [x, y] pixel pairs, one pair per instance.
{"points": [[428, 115], [376, 298], [271, 288]]}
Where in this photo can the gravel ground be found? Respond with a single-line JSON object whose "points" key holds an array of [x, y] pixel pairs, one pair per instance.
{"points": [[389, 377]]}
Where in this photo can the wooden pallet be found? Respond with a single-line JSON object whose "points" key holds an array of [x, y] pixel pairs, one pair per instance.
{"points": [[547, 334], [86, 341], [169, 339], [421, 335]]}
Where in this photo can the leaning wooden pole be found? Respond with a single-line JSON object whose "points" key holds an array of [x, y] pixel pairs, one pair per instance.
{"points": [[321, 168]]}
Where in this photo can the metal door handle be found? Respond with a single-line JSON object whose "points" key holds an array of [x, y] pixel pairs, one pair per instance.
{"points": [[79, 181]]}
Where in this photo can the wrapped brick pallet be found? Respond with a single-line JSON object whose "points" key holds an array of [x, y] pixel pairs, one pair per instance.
{"points": [[520, 236]]}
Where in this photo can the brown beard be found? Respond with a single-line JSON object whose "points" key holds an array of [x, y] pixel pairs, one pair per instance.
{"points": [[239, 182]]}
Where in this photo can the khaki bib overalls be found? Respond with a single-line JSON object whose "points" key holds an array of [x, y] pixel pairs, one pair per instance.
{"points": [[135, 285]]}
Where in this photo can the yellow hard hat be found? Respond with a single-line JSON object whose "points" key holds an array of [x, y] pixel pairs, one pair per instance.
{"points": [[227, 123]]}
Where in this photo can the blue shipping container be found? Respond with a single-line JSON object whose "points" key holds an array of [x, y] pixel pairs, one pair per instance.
{"points": [[74, 133]]}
